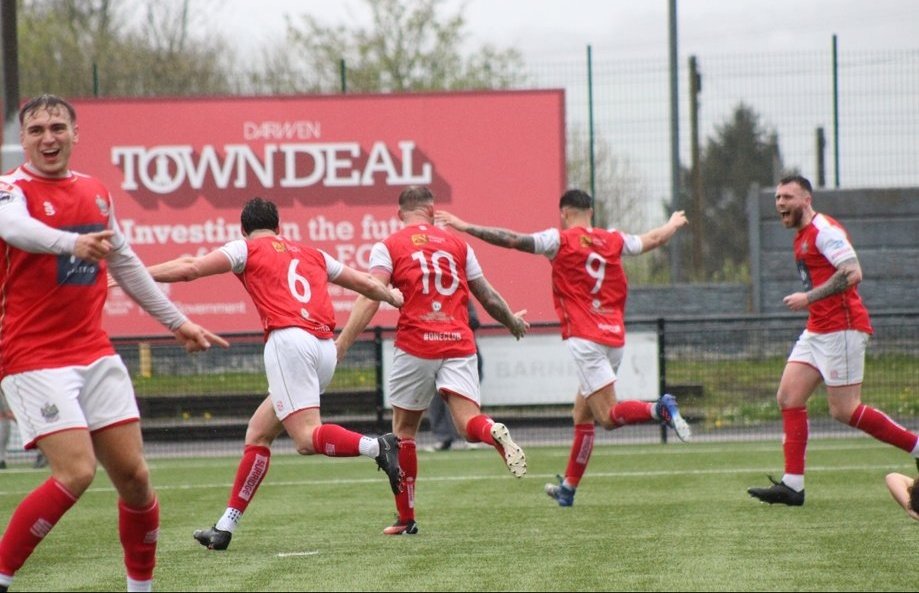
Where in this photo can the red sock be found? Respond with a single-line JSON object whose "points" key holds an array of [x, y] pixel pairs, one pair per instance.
{"points": [[794, 440], [333, 440], [478, 430], [630, 412], [253, 467], [581, 448], [880, 426], [31, 521], [139, 529], [408, 461]]}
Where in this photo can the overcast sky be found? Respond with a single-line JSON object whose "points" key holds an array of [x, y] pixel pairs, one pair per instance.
{"points": [[545, 29]]}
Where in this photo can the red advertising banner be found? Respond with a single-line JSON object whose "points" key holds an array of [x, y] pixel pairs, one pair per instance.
{"points": [[181, 169]]}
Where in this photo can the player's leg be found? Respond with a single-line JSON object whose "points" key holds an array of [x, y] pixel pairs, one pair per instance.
{"points": [[120, 451], [64, 439], [411, 387], [844, 403], [264, 427], [458, 379], [73, 465], [844, 353], [405, 424], [798, 382], [582, 445], [299, 367]]}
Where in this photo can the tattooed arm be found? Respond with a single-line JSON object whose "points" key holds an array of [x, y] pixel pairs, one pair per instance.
{"points": [[493, 235], [496, 306], [848, 273]]}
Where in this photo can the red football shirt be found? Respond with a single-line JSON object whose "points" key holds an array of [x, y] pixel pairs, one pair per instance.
{"points": [[589, 285], [431, 266], [51, 305], [288, 283], [819, 248]]}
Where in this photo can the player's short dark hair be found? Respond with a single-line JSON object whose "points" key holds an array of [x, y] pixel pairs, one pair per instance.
{"points": [[47, 102], [414, 197], [914, 496], [802, 181], [259, 214], [576, 198]]}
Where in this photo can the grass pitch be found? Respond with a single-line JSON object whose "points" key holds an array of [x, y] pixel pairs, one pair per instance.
{"points": [[646, 518]]}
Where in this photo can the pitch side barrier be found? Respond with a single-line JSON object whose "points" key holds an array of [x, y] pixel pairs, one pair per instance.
{"points": [[724, 371]]}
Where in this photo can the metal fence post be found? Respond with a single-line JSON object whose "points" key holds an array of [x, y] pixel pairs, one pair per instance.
{"points": [[378, 366], [662, 366]]}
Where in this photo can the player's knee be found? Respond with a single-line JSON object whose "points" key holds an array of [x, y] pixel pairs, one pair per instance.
{"points": [[76, 477], [842, 412]]}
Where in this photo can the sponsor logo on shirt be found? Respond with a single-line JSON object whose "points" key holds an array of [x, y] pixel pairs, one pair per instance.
{"points": [[585, 240], [419, 239], [442, 336], [49, 209], [278, 246], [607, 327]]}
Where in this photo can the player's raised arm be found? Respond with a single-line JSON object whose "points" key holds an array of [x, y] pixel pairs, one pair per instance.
{"points": [[661, 235], [494, 235]]}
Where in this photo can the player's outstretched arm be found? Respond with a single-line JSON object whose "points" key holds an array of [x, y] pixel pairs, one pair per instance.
{"points": [[129, 272], [497, 307], [661, 235], [368, 286], [496, 236], [188, 268], [196, 338]]}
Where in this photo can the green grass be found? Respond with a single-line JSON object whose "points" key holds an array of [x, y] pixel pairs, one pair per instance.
{"points": [[648, 518]]}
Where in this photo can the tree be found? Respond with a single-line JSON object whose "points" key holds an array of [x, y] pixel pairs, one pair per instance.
{"points": [[76, 48], [408, 46], [741, 154]]}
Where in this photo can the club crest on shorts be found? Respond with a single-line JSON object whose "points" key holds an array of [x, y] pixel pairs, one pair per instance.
{"points": [[50, 412]]}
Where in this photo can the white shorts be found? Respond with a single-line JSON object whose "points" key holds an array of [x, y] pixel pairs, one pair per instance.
{"points": [[596, 364], [47, 401], [299, 367], [413, 381], [838, 356]]}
